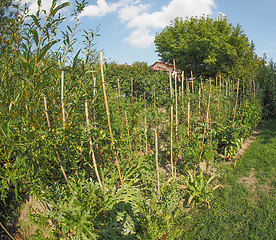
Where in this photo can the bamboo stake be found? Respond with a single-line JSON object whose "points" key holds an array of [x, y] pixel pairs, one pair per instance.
{"points": [[182, 83], [254, 89], [250, 89], [55, 146], [188, 117], [171, 136], [128, 134], [91, 145], [243, 86], [210, 126], [187, 86], [192, 78], [156, 161], [131, 86], [226, 87], [119, 90], [205, 125], [62, 99], [154, 98], [7, 231], [220, 83], [94, 94], [216, 86], [176, 114], [146, 129], [108, 119], [199, 99], [219, 106], [237, 97]]}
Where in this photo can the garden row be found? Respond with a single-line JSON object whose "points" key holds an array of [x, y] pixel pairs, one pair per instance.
{"points": [[110, 151]]}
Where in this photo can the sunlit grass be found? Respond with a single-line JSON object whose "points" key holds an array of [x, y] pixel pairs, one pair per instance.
{"points": [[245, 208]]}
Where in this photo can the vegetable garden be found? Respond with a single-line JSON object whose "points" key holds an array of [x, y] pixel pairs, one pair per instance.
{"points": [[111, 151]]}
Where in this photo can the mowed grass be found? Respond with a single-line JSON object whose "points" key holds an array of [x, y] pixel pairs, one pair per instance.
{"points": [[245, 208]]}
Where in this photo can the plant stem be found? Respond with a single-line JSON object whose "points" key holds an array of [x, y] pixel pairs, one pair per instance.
{"points": [[206, 120], [237, 97], [128, 134], [171, 136], [156, 161], [62, 99], [91, 145], [55, 147], [7, 231], [108, 119]]}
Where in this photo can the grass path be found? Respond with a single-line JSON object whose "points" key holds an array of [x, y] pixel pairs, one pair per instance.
{"points": [[246, 207]]}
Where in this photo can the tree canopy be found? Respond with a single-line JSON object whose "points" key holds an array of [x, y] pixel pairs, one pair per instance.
{"points": [[207, 46]]}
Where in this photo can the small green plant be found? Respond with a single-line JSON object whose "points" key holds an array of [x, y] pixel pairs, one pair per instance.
{"points": [[199, 188]]}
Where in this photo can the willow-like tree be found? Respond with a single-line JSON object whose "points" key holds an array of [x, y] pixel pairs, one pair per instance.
{"points": [[207, 46]]}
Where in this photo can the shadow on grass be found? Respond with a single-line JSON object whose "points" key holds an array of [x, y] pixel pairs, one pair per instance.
{"points": [[240, 211]]}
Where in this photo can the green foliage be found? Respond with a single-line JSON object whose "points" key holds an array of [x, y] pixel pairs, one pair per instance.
{"points": [[245, 208], [207, 47], [199, 189], [36, 162], [266, 77]]}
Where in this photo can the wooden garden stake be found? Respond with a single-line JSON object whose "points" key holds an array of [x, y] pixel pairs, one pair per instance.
{"points": [[205, 125], [62, 99], [182, 83], [6, 231], [156, 161], [131, 83], [55, 146], [250, 89], [243, 90], [94, 94], [154, 98], [199, 99], [91, 145], [176, 114], [187, 86], [119, 90], [108, 119], [129, 141], [220, 83], [146, 135], [192, 78], [254, 89], [188, 116], [216, 86], [219, 106], [226, 86], [171, 136], [237, 97]]}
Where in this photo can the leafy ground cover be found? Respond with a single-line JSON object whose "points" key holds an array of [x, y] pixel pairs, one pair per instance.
{"points": [[245, 208]]}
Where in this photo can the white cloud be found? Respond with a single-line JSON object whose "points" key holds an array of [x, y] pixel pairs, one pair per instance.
{"points": [[176, 8], [45, 5], [102, 8], [145, 22], [140, 37], [129, 12]]}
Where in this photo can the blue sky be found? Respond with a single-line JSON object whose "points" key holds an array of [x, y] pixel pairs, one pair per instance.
{"points": [[128, 27]]}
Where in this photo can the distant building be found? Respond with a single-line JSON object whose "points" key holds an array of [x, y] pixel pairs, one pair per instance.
{"points": [[160, 66]]}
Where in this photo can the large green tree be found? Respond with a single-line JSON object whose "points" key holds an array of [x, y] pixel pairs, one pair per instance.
{"points": [[207, 46]]}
